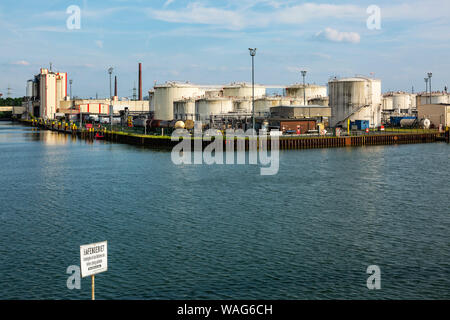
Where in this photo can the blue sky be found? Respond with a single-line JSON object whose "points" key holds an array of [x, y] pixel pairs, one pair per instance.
{"points": [[207, 41]]}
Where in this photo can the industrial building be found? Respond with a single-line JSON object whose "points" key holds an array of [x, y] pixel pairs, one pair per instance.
{"points": [[47, 98], [357, 98], [45, 92], [101, 106], [438, 114]]}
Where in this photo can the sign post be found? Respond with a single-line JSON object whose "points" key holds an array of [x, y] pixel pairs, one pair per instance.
{"points": [[93, 259]]}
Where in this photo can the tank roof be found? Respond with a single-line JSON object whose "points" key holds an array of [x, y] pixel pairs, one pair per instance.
{"points": [[213, 99], [175, 84], [353, 79], [241, 85], [308, 85], [300, 106]]}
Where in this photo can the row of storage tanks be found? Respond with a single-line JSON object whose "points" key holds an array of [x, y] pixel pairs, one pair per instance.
{"points": [[184, 101], [403, 102], [357, 98]]}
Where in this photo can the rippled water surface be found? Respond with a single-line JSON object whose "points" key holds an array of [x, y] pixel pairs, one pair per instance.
{"points": [[221, 232]]}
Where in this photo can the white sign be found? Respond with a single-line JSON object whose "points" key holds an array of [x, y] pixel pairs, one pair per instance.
{"points": [[94, 258]]}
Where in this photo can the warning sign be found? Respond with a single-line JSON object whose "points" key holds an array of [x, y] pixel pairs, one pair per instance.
{"points": [[93, 258]]}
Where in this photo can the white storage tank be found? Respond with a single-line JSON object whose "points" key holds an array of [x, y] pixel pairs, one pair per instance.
{"points": [[243, 90], [263, 105], [243, 105], [169, 92], [388, 103], [436, 98], [356, 98], [184, 109], [29, 89], [206, 107], [308, 91], [401, 102]]}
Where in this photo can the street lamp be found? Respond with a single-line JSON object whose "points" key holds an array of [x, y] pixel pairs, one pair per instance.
{"points": [[304, 87], [426, 89], [71, 107], [429, 77], [110, 71], [252, 54]]}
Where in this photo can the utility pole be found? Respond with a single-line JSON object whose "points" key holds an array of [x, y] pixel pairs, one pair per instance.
{"points": [[252, 54], [426, 90]]}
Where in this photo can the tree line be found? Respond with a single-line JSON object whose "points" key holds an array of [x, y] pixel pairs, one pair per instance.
{"points": [[14, 102]]}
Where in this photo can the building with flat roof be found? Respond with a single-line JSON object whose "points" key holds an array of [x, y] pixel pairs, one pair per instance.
{"points": [[437, 114]]}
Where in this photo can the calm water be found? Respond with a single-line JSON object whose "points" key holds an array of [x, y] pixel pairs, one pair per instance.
{"points": [[221, 232]]}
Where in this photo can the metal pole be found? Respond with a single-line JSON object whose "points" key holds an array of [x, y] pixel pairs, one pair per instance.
{"points": [[304, 91], [253, 53], [253, 90], [429, 77], [304, 87], [110, 71], [426, 90], [71, 99], [93, 287]]}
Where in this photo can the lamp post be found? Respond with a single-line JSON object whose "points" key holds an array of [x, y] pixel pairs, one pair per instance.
{"points": [[110, 71], [429, 77], [71, 100], [304, 87], [426, 89], [252, 54]]}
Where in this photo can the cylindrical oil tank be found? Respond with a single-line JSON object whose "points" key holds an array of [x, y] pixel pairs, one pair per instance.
{"points": [[401, 102], [242, 105], [436, 98], [206, 107], [213, 93], [169, 92], [30, 88], [179, 125], [319, 101], [388, 103], [425, 123], [243, 90], [263, 105], [404, 123], [151, 100], [189, 124], [140, 122], [308, 91], [356, 98], [184, 109]]}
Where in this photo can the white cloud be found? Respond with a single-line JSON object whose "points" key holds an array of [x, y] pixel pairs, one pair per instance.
{"points": [[168, 3], [240, 18], [21, 63], [338, 36]]}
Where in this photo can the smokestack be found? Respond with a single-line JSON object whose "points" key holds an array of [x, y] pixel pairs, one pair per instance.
{"points": [[140, 81], [115, 86]]}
